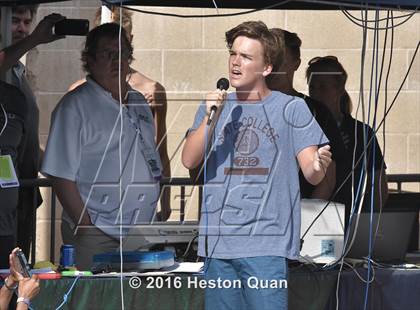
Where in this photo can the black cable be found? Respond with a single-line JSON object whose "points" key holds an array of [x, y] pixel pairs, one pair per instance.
{"points": [[189, 246], [374, 122], [380, 19], [251, 11], [353, 197], [402, 84], [383, 56], [202, 15], [345, 12], [372, 185], [351, 18], [368, 143], [384, 118], [386, 96]]}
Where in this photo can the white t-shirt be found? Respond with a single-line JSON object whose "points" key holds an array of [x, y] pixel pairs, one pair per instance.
{"points": [[84, 147]]}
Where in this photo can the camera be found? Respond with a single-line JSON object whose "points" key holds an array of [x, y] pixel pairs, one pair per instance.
{"points": [[71, 27], [25, 269]]}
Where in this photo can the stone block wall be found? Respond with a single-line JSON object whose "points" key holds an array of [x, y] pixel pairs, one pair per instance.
{"points": [[188, 56]]}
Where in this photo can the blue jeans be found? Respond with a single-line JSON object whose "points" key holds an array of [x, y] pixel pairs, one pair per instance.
{"points": [[258, 283]]}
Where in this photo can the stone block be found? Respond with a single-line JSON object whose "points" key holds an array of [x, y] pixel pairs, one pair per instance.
{"points": [[351, 61], [46, 103], [151, 31], [190, 70], [396, 153], [215, 28], [414, 75], [414, 153], [323, 29], [55, 71], [149, 63]]}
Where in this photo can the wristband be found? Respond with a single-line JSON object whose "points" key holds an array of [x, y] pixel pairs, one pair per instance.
{"points": [[24, 300], [10, 288]]}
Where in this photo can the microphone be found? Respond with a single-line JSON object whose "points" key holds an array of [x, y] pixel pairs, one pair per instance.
{"points": [[222, 84]]}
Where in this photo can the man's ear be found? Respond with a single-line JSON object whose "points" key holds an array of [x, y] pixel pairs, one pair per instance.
{"points": [[267, 70]]}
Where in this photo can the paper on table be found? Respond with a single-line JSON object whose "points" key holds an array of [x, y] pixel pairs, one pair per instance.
{"points": [[185, 267], [176, 268]]}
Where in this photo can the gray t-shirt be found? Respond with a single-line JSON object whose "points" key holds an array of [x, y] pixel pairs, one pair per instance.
{"points": [[251, 201]]}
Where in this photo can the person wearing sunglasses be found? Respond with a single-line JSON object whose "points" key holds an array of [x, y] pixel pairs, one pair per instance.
{"points": [[101, 153], [283, 81], [155, 95], [327, 79]]}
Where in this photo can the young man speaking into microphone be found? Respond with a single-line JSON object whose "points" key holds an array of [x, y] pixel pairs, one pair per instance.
{"points": [[250, 219]]}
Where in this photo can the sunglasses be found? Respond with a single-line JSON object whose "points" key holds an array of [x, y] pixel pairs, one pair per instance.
{"points": [[323, 58], [112, 54]]}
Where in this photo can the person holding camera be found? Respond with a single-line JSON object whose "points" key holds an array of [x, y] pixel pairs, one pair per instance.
{"points": [[13, 137], [27, 288], [22, 42]]}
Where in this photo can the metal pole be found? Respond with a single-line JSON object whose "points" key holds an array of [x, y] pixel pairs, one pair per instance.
{"points": [[182, 205], [200, 199], [33, 226], [52, 242]]}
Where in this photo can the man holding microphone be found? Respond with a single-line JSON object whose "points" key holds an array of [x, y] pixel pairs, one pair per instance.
{"points": [[252, 151]]}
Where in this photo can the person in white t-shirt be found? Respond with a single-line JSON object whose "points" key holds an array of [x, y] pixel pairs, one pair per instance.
{"points": [[101, 153]]}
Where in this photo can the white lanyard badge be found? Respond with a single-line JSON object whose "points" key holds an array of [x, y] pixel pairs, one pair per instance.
{"points": [[7, 172], [149, 153]]}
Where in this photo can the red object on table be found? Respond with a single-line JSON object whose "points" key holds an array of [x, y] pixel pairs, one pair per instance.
{"points": [[49, 276]]}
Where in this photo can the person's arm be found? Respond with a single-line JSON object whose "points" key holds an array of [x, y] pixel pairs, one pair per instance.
{"points": [[42, 34], [6, 292], [193, 151], [11, 282], [76, 84], [160, 105], [69, 197], [28, 289], [326, 187], [314, 162]]}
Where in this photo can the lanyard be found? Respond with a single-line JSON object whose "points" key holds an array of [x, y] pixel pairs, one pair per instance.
{"points": [[149, 153]]}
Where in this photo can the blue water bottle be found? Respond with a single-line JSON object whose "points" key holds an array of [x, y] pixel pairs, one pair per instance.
{"points": [[68, 255]]}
